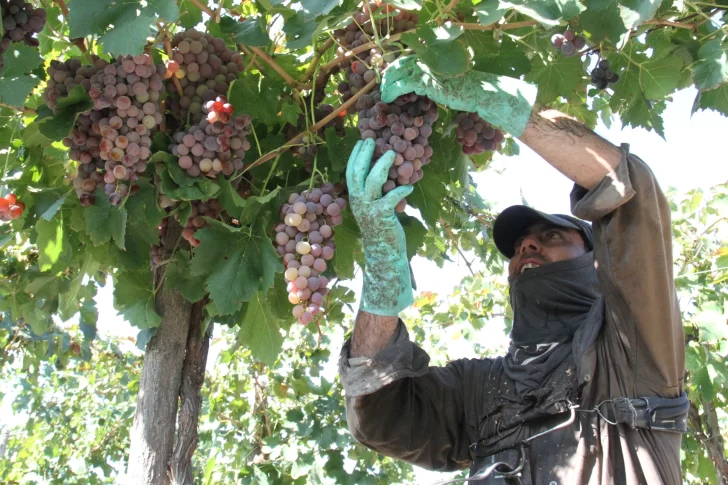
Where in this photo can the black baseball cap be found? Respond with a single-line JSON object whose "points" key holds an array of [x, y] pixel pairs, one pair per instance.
{"points": [[514, 222]]}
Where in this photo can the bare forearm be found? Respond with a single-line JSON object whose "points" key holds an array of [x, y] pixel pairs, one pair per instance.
{"points": [[371, 334], [570, 147]]}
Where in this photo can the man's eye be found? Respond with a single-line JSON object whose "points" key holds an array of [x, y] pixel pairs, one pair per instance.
{"points": [[553, 235]]}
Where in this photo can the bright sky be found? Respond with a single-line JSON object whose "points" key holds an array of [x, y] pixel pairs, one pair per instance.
{"points": [[692, 158]]}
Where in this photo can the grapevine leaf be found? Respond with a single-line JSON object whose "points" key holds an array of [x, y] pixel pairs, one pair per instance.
{"points": [[439, 49], [579, 111], [659, 77], [32, 137], [314, 8], [290, 112], [178, 174], [546, 12], [251, 31], [278, 302], [20, 59], [260, 332], [59, 125], [428, 197], [117, 225], [602, 20], [489, 12], [256, 97], [97, 219], [178, 277], [68, 300], [88, 318], [715, 99], [339, 147], [406, 4], [123, 27], [231, 201], [415, 232], [237, 263], [203, 188], [348, 248], [134, 298], [189, 13], [48, 203], [15, 90], [53, 246], [256, 205], [711, 69], [299, 31], [505, 57], [559, 77], [634, 12], [645, 113]]}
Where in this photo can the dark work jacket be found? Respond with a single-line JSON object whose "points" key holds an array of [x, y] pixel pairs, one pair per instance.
{"points": [[400, 406]]}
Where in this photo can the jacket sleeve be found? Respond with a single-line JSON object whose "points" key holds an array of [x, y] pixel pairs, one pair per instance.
{"points": [[399, 406], [633, 253]]}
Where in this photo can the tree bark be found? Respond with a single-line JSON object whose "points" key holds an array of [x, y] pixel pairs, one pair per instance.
{"points": [[193, 376], [708, 431], [152, 434]]}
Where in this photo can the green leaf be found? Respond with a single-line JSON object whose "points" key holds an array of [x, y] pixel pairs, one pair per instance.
{"points": [[259, 331], [60, 125], [559, 77], [132, 21], [117, 225], [602, 20], [579, 111], [348, 247], [134, 298], [290, 112], [712, 323], [645, 113], [314, 8], [20, 58], [255, 205], [711, 69], [231, 201], [489, 12], [428, 197], [505, 57], [715, 99], [189, 13], [178, 277], [255, 96], [546, 12], [178, 174], [340, 147], [53, 246], [32, 137], [97, 219], [237, 263], [701, 379], [406, 4], [251, 32], [15, 90], [439, 49], [635, 12], [299, 31], [415, 232]]}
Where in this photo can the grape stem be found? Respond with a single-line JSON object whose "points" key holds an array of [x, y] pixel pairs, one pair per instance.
{"points": [[446, 11], [63, 7], [205, 8], [362, 48], [168, 49], [273, 64], [296, 140], [670, 23], [307, 76], [509, 26]]}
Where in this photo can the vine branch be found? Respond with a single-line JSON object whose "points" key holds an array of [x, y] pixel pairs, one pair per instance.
{"points": [[204, 8], [508, 26], [273, 64], [315, 61], [670, 23], [22, 109], [63, 7], [296, 140], [446, 11]]}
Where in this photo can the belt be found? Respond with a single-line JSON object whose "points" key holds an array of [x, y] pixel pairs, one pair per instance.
{"points": [[655, 413]]}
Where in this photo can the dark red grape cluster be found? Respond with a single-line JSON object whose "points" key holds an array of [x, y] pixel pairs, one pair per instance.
{"points": [[403, 126], [216, 144], [366, 66], [205, 68], [475, 134], [305, 240], [21, 21], [569, 43], [602, 75], [113, 140]]}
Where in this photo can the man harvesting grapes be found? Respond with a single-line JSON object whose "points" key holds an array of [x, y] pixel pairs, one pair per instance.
{"points": [[591, 388]]}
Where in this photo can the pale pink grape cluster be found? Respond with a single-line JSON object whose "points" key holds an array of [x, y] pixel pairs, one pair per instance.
{"points": [[113, 140], [305, 239], [216, 144]]}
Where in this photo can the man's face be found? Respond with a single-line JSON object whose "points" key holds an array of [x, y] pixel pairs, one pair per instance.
{"points": [[544, 244]]}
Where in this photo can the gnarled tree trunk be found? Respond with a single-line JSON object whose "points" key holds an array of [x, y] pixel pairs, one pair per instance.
{"points": [[708, 431]]}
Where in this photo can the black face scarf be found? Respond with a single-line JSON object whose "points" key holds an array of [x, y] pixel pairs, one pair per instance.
{"points": [[549, 304]]}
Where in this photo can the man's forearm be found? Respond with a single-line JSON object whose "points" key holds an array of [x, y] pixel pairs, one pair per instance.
{"points": [[371, 334], [570, 147]]}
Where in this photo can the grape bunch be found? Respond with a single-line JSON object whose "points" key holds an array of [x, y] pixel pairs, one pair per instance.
{"points": [[210, 208], [10, 208], [205, 68], [112, 141], [568, 43], [475, 134], [20, 23], [366, 66], [216, 144], [403, 126], [602, 75], [305, 240]]}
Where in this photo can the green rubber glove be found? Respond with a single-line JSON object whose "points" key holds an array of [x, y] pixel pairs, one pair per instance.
{"points": [[504, 101], [387, 286]]}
